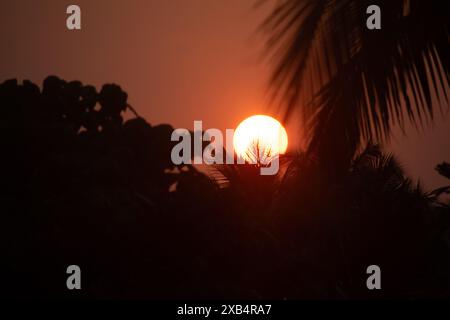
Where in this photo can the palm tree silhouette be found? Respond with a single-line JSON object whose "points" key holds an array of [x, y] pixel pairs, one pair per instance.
{"points": [[352, 84], [259, 154]]}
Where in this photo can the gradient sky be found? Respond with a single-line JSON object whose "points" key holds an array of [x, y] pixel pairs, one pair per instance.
{"points": [[179, 61]]}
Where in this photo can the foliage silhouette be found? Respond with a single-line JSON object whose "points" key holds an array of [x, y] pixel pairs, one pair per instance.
{"points": [[444, 169], [352, 84], [82, 186]]}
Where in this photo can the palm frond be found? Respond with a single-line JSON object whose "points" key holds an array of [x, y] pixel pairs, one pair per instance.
{"points": [[352, 84]]}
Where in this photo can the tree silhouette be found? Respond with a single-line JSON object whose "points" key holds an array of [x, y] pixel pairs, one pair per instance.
{"points": [[83, 186], [352, 84]]}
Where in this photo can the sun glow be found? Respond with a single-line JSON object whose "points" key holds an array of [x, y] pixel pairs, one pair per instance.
{"points": [[259, 138]]}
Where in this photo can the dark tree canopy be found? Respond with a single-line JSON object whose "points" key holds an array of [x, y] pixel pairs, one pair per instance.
{"points": [[81, 185]]}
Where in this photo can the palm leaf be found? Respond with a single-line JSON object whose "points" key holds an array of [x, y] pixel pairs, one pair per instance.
{"points": [[352, 84]]}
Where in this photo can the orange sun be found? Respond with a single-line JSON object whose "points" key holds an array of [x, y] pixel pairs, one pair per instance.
{"points": [[260, 137]]}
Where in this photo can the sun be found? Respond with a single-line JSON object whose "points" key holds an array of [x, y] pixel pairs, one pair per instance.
{"points": [[259, 138]]}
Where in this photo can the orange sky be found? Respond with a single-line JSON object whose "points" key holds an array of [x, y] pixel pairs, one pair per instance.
{"points": [[179, 61]]}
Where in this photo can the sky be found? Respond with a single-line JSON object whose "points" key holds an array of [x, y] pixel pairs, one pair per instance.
{"points": [[179, 61]]}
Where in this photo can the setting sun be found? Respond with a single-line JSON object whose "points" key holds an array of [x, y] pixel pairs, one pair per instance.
{"points": [[260, 137]]}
